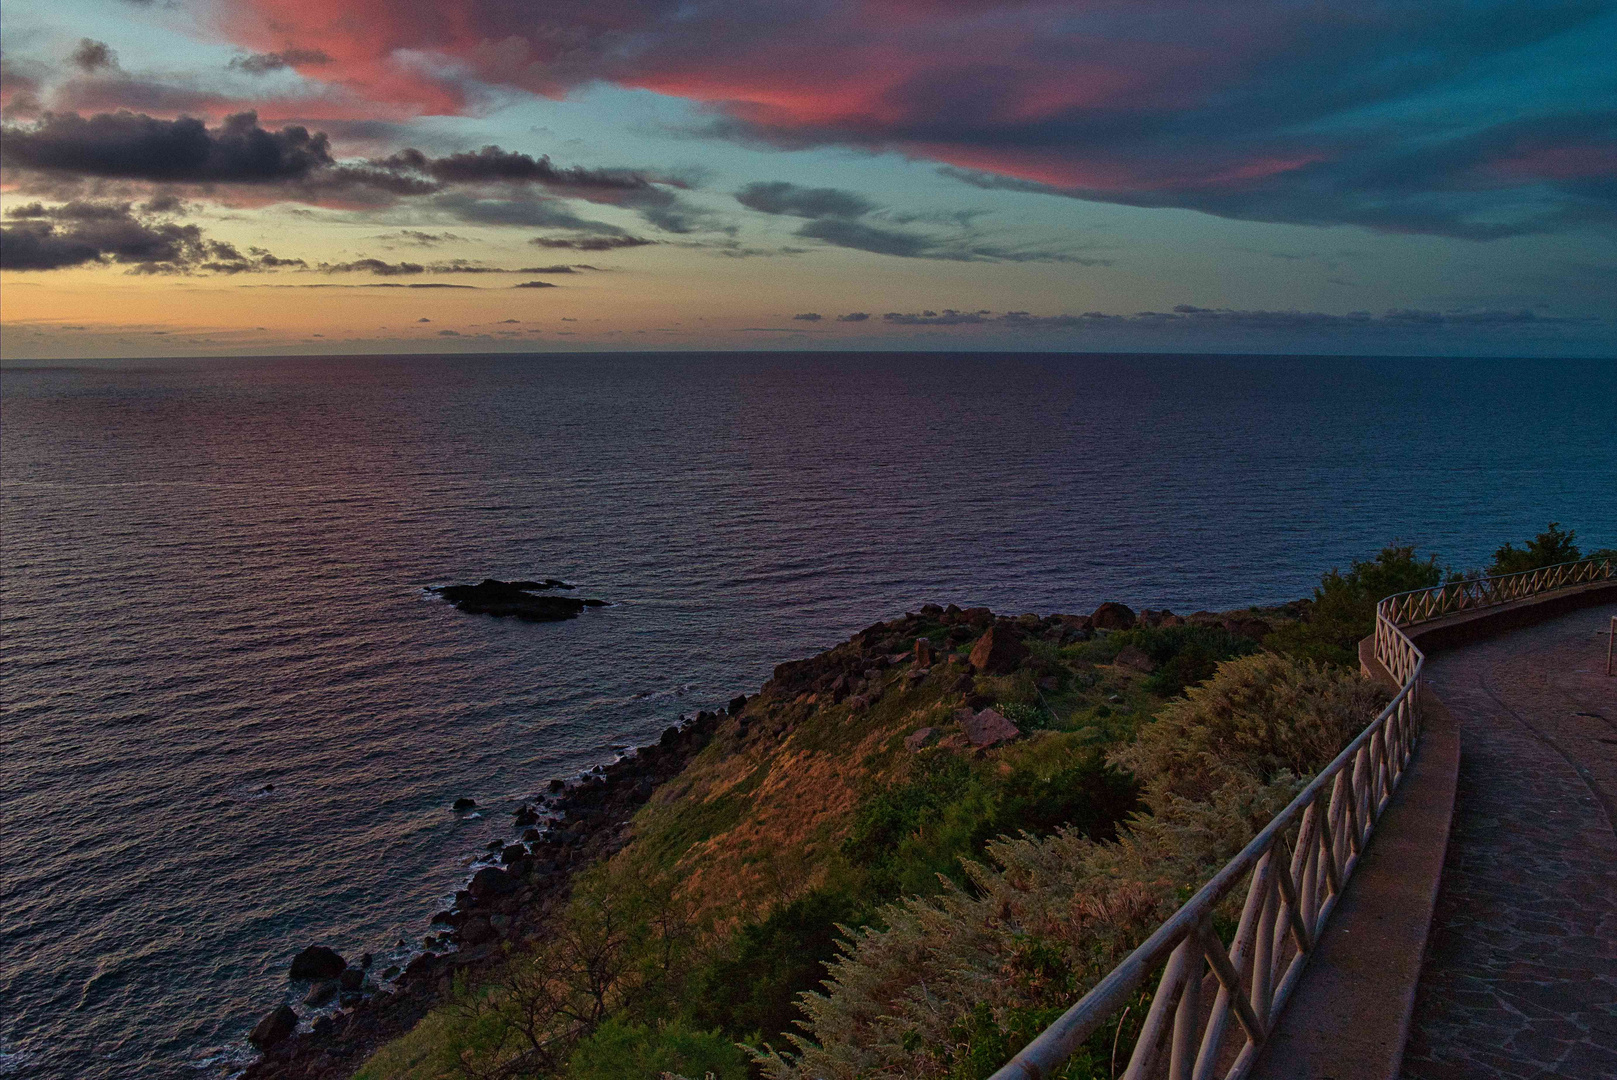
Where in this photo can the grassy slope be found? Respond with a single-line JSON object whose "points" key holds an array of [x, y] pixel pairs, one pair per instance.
{"points": [[764, 815]]}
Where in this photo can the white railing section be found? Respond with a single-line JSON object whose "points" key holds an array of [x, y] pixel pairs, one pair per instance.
{"points": [[1294, 871]]}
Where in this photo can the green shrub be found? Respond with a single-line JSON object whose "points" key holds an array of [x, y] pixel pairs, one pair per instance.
{"points": [[626, 1051], [750, 990], [1344, 610], [905, 835], [1184, 655], [1548, 548], [952, 984]]}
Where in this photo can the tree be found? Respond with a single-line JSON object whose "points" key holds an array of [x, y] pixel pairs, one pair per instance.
{"points": [[1548, 548], [1344, 608]]}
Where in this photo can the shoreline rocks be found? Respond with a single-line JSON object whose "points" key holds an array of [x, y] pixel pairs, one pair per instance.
{"points": [[500, 907]]}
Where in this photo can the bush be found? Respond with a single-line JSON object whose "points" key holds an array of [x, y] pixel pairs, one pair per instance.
{"points": [[905, 835], [954, 983], [1548, 548], [1344, 610], [751, 991], [627, 1051], [1262, 717], [1184, 655]]}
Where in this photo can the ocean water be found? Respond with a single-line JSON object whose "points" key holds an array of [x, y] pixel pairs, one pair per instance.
{"points": [[213, 578]]}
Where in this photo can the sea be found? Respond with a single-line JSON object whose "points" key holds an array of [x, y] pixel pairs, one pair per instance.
{"points": [[235, 719]]}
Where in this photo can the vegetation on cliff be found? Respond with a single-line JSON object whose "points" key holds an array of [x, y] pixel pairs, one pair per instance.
{"points": [[908, 854]]}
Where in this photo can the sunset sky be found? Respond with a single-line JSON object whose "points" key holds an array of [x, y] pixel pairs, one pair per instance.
{"points": [[284, 176]]}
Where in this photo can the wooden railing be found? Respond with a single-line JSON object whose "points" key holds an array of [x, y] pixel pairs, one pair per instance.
{"points": [[1294, 871]]}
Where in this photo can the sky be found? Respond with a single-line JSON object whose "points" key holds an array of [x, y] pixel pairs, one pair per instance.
{"points": [[203, 177]]}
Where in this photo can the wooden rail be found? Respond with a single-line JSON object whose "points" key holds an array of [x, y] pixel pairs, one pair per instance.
{"points": [[1294, 872]]}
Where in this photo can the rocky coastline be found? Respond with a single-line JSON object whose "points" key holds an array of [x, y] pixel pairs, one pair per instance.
{"points": [[577, 823], [568, 827]]}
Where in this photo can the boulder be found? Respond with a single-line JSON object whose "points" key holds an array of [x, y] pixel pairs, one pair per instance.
{"points": [[321, 992], [979, 617], [511, 853], [351, 979], [525, 815], [738, 703], [463, 803], [317, 962], [999, 651], [490, 881], [987, 728], [280, 1022], [1131, 657], [1112, 616], [1256, 629], [925, 655], [1077, 622], [1169, 619], [915, 740]]}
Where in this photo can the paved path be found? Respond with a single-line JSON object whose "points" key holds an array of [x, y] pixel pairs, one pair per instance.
{"points": [[1521, 972]]}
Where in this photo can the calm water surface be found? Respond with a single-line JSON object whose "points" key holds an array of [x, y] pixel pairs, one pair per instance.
{"points": [[213, 576]]}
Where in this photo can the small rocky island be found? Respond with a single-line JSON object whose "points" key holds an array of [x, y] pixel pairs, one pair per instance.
{"points": [[517, 599]]}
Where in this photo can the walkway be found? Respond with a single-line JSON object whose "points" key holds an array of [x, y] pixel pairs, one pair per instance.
{"points": [[1521, 973]]}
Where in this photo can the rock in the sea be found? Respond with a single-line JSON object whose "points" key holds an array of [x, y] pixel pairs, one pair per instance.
{"points": [[490, 881], [351, 979], [525, 815], [280, 1022], [520, 599], [999, 651], [318, 962], [463, 803], [987, 728], [1112, 616], [321, 992]]}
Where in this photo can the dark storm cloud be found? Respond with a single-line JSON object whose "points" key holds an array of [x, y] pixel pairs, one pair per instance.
{"points": [[80, 233], [533, 212], [93, 55], [130, 146], [843, 219], [854, 316], [808, 316], [490, 186], [590, 243], [261, 63], [1336, 112], [780, 197], [383, 268]]}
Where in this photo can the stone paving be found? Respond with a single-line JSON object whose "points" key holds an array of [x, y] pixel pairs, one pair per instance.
{"points": [[1521, 971]]}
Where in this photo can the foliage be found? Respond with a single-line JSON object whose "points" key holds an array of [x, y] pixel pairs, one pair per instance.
{"points": [[1344, 609], [750, 988], [905, 836], [954, 982], [1553, 545], [1184, 655], [619, 948], [621, 1050]]}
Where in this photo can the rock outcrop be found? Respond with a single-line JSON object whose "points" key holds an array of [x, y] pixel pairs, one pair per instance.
{"points": [[317, 962], [280, 1022], [516, 599]]}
